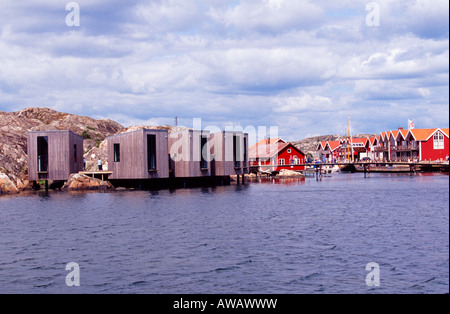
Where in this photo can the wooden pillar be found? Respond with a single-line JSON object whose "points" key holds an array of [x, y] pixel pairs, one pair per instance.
{"points": [[46, 185], [243, 179]]}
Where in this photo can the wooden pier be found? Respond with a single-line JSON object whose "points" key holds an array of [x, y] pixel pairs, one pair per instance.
{"points": [[368, 167], [97, 174]]}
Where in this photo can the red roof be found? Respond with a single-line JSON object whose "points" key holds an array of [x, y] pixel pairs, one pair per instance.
{"points": [[425, 134], [334, 145], [360, 140], [394, 133], [269, 141], [403, 133], [372, 140], [269, 151]]}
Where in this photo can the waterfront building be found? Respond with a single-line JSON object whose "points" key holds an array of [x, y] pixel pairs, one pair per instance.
{"points": [[276, 157], [190, 153], [414, 145], [329, 151], [229, 153], [54, 155], [141, 154]]}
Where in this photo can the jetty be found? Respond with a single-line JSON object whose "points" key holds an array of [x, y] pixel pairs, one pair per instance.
{"points": [[366, 167]]}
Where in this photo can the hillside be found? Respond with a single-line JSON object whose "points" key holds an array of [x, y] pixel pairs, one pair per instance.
{"points": [[14, 127], [309, 145]]}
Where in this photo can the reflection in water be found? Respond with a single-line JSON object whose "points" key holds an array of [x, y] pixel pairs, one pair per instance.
{"points": [[261, 237], [282, 181]]}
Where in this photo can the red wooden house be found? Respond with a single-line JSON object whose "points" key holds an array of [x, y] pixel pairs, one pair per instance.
{"points": [[432, 143], [329, 151], [414, 145], [277, 156]]}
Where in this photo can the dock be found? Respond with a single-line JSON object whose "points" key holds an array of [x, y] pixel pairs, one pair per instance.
{"points": [[366, 167], [97, 174]]}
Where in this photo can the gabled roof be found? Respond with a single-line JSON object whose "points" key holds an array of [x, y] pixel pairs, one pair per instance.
{"points": [[426, 134], [445, 131], [402, 134], [271, 150], [333, 145], [360, 140], [269, 141], [322, 145], [423, 134], [393, 134], [372, 140]]}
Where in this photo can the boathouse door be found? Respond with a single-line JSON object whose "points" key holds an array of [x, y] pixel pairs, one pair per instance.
{"points": [[42, 154]]}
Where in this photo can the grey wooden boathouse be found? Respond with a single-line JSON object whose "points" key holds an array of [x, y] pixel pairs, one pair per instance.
{"points": [[54, 155], [229, 152], [190, 153], [141, 154]]}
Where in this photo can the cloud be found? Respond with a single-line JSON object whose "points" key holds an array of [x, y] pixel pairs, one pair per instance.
{"points": [[271, 16], [303, 103], [301, 64]]}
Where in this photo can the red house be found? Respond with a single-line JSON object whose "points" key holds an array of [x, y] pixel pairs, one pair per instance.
{"points": [[414, 145], [432, 143], [276, 157], [330, 150]]}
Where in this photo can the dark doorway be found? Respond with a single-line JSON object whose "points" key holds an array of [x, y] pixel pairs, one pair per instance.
{"points": [[42, 154], [151, 152]]}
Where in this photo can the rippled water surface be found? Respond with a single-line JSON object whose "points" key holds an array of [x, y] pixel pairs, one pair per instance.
{"points": [[281, 237]]}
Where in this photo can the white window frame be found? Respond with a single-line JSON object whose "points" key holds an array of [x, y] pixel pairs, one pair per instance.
{"points": [[281, 162], [438, 141]]}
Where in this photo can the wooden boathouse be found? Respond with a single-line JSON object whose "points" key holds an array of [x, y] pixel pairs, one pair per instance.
{"points": [[141, 154], [229, 151], [54, 155], [190, 153]]}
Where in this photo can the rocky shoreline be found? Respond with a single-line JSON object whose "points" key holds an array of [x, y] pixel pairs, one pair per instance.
{"points": [[76, 182]]}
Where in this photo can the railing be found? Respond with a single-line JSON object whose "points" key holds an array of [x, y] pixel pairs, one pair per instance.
{"points": [[404, 148], [381, 149]]}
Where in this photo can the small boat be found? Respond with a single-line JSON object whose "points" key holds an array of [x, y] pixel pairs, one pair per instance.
{"points": [[330, 169]]}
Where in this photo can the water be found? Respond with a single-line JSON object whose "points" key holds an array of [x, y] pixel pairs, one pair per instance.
{"points": [[286, 237]]}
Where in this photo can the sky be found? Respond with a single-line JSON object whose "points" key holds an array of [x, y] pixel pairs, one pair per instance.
{"points": [[303, 66]]}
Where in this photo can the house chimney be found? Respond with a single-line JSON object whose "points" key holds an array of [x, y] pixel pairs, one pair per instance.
{"points": [[401, 128]]}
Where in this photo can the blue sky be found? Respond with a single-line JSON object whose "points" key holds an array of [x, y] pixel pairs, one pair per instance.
{"points": [[297, 64]]}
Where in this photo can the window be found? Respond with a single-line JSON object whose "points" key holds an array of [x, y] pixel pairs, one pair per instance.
{"points": [[116, 152], [245, 152], [42, 153], [237, 151], [438, 140], [281, 162], [289, 151], [151, 152], [75, 159], [203, 151]]}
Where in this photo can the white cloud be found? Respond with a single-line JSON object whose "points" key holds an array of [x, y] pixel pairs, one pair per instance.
{"points": [[302, 64], [271, 16], [303, 103]]}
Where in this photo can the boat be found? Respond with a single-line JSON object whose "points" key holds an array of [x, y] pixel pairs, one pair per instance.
{"points": [[330, 169]]}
